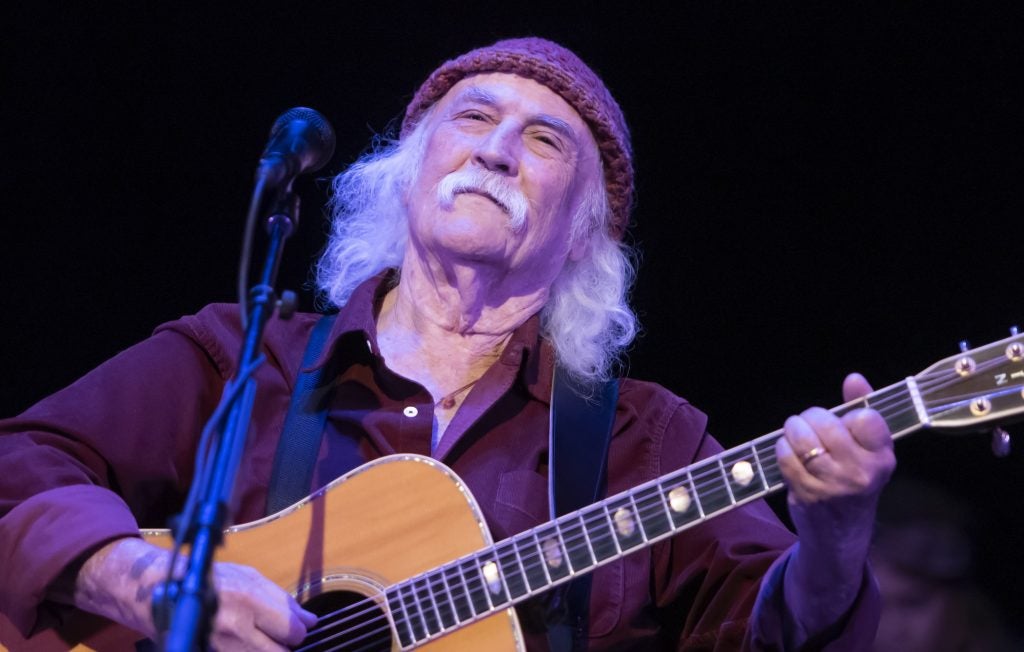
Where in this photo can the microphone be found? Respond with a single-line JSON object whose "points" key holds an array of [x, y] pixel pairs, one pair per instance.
{"points": [[301, 141]]}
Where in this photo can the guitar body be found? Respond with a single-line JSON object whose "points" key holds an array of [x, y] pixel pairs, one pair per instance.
{"points": [[383, 522]]}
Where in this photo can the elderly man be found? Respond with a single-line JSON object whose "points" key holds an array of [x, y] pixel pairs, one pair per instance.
{"points": [[469, 259]]}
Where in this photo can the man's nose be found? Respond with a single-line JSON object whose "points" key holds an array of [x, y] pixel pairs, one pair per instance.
{"points": [[498, 151]]}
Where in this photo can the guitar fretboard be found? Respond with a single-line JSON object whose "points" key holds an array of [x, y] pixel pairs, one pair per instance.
{"points": [[497, 577]]}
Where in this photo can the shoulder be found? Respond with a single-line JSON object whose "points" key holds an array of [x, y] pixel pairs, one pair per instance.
{"points": [[217, 329], [659, 409]]}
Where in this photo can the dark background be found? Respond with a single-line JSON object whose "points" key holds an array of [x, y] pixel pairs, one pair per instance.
{"points": [[821, 188]]}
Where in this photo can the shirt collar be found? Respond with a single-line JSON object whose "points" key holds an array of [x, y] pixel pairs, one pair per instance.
{"points": [[527, 349]]}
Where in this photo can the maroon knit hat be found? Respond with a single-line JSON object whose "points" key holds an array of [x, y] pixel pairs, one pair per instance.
{"points": [[563, 72]]}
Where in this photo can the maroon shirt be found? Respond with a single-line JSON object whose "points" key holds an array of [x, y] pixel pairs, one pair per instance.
{"points": [[115, 450]]}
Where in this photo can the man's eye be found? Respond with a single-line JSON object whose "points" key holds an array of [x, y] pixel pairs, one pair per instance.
{"points": [[474, 115], [550, 141]]}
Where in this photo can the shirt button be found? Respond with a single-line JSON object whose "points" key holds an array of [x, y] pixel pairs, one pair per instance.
{"points": [[410, 411]]}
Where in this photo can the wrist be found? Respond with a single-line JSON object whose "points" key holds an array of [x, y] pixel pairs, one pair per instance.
{"points": [[117, 582]]}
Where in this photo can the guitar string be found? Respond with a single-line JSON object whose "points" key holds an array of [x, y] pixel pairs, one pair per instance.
{"points": [[530, 559], [431, 584], [645, 503], [438, 626]]}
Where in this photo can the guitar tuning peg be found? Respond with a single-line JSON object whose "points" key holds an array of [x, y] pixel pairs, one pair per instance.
{"points": [[1014, 330], [964, 346], [1000, 442]]}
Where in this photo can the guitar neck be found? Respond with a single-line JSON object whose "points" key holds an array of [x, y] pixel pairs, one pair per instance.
{"points": [[504, 574]]}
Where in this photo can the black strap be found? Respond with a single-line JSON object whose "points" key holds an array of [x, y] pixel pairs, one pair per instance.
{"points": [[581, 429], [303, 427]]}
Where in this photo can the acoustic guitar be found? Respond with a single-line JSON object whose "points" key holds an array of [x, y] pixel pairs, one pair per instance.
{"points": [[395, 555]]}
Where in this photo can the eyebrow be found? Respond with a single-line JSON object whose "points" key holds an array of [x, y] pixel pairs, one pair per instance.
{"points": [[481, 96]]}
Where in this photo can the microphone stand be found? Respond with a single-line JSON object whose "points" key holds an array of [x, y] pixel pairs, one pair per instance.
{"points": [[184, 606]]}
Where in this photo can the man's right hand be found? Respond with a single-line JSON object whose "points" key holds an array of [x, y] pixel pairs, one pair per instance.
{"points": [[253, 613]]}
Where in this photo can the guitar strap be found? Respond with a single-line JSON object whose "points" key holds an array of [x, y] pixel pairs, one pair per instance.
{"points": [[303, 426], [580, 433]]}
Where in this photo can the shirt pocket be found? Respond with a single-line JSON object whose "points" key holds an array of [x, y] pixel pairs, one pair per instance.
{"points": [[521, 503]]}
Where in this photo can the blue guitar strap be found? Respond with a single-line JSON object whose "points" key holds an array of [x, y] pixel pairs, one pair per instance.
{"points": [[303, 426], [580, 433]]}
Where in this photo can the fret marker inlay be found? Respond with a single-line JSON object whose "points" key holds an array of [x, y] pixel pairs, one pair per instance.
{"points": [[552, 553], [742, 473], [624, 522], [679, 499], [490, 571]]}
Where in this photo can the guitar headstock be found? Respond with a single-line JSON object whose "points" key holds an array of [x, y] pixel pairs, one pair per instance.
{"points": [[975, 388]]}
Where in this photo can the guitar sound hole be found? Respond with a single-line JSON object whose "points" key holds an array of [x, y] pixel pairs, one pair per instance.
{"points": [[348, 621]]}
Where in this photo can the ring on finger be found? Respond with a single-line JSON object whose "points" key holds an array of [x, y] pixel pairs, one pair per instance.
{"points": [[811, 454]]}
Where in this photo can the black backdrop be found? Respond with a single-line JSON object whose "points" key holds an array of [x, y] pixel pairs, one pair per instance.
{"points": [[820, 188]]}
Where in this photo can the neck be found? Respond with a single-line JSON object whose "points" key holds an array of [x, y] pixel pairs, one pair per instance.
{"points": [[471, 304]]}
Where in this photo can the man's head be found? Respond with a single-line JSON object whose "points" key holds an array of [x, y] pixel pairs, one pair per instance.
{"points": [[505, 177], [561, 71], [457, 184]]}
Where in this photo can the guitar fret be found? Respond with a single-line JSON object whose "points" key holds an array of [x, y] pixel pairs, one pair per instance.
{"points": [[639, 517], [398, 610], [760, 469], [556, 558], [421, 630], [770, 467], [522, 569], [901, 419], [712, 493], [725, 479], [611, 527], [478, 597], [509, 569], [432, 617], [622, 517], [740, 463], [586, 537], [449, 617], [697, 498], [542, 558], [665, 501], [485, 588], [600, 534], [458, 592], [530, 561], [429, 586], [493, 579], [653, 511], [576, 555]]}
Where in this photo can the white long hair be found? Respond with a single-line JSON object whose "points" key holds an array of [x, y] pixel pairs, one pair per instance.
{"points": [[587, 317]]}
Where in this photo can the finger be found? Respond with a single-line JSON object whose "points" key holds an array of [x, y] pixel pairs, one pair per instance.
{"points": [[801, 435], [282, 625], [802, 484], [232, 632], [818, 428], [868, 429], [855, 386], [308, 618]]}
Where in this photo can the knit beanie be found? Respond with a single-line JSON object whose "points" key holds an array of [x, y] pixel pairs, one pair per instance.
{"points": [[564, 73]]}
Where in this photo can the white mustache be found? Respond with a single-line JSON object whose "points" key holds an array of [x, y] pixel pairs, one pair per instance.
{"points": [[495, 186]]}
